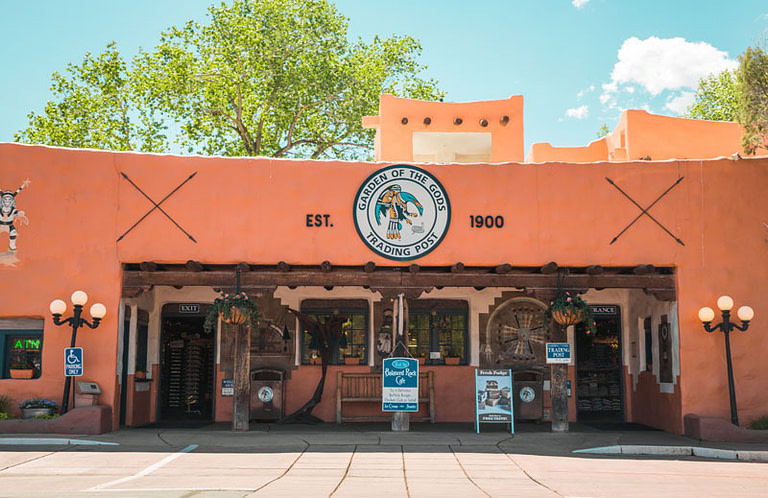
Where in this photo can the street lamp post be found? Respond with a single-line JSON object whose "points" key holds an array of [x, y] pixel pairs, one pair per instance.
{"points": [[745, 314], [58, 308]]}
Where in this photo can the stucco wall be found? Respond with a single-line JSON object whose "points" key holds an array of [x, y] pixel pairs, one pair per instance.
{"points": [[255, 210]]}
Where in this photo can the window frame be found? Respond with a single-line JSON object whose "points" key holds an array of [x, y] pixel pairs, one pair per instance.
{"points": [[27, 328], [433, 308], [327, 307]]}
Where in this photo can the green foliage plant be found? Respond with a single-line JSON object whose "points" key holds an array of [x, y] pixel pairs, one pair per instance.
{"points": [[716, 98], [226, 305], [752, 90], [5, 403], [97, 105], [279, 78], [760, 424]]}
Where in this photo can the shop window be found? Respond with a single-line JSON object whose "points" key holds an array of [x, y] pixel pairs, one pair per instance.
{"points": [[353, 346], [437, 331], [21, 345]]}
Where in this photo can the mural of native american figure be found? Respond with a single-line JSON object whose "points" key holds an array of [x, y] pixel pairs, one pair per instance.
{"points": [[10, 216], [393, 204]]}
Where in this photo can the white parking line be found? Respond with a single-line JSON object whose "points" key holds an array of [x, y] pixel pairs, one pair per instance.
{"points": [[146, 471]]}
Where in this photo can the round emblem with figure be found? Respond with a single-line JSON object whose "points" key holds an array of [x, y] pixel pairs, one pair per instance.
{"points": [[402, 212], [265, 394], [527, 394]]}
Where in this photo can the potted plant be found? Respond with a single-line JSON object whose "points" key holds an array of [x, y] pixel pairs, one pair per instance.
{"points": [[21, 368], [569, 310], [453, 357], [33, 407], [231, 308], [140, 371]]}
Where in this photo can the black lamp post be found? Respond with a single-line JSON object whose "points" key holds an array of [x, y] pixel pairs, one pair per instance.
{"points": [[58, 308], [745, 314]]}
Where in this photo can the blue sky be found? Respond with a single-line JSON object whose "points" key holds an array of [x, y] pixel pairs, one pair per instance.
{"points": [[577, 63]]}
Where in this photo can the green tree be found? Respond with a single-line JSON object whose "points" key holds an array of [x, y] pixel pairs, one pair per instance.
{"points": [[716, 98], [263, 77], [95, 107], [603, 131], [752, 89]]}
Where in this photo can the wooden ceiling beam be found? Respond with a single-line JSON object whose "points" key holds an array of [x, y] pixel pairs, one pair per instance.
{"points": [[402, 279]]}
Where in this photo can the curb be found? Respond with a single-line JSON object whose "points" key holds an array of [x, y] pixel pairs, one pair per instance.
{"points": [[32, 441], [746, 456]]}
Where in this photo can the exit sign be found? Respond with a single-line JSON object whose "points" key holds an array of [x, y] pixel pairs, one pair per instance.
{"points": [[189, 308]]}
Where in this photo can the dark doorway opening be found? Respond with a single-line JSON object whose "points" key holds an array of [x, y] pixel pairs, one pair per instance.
{"points": [[187, 370], [599, 387]]}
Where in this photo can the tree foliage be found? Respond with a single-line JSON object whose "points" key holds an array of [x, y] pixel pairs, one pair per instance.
{"points": [[716, 98], [96, 107], [752, 89], [263, 77]]}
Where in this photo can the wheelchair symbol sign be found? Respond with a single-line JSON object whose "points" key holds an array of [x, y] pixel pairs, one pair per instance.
{"points": [[73, 362]]}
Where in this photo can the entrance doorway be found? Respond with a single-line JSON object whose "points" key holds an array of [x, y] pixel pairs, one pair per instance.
{"points": [[598, 369], [187, 369]]}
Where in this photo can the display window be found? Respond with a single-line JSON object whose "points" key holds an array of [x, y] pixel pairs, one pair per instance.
{"points": [[352, 345], [21, 347], [438, 332]]}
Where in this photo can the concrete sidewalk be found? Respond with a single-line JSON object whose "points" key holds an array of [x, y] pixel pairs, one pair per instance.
{"points": [[529, 439]]}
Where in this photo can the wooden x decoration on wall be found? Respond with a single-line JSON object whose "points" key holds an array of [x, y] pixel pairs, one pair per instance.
{"points": [[644, 211], [156, 205]]}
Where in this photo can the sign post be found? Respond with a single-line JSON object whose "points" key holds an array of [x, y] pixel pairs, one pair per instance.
{"points": [[493, 403]]}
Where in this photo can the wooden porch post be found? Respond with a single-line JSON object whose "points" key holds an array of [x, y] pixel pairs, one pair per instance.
{"points": [[241, 407], [558, 387]]}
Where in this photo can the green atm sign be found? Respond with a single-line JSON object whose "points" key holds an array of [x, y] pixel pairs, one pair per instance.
{"points": [[22, 344]]}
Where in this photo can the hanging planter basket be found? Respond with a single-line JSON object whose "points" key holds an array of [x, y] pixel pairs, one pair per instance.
{"points": [[235, 309], [567, 317], [236, 316]]}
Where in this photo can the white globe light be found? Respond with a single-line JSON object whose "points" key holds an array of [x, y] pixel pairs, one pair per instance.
{"points": [[725, 303], [79, 297], [98, 310], [706, 314], [746, 313], [58, 307]]}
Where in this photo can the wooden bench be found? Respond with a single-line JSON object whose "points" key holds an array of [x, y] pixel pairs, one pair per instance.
{"points": [[366, 388]]}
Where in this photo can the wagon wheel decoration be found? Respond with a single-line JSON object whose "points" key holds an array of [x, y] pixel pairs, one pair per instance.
{"points": [[520, 331]]}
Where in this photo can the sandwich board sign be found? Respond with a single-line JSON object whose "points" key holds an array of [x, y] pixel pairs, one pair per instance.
{"points": [[493, 401], [400, 385]]}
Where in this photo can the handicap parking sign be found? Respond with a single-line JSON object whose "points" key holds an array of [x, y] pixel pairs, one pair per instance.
{"points": [[73, 362]]}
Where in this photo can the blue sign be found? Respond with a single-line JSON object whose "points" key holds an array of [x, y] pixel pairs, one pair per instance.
{"points": [[227, 387], [73, 362], [400, 385], [558, 352]]}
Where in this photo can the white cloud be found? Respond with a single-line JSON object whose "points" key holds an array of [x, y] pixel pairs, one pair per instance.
{"points": [[579, 3], [658, 64], [585, 91], [578, 113], [680, 103]]}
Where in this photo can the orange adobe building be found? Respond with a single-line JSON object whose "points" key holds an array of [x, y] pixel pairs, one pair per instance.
{"points": [[451, 238]]}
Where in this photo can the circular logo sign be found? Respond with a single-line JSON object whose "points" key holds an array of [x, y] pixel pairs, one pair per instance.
{"points": [[527, 394], [402, 212], [265, 394]]}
